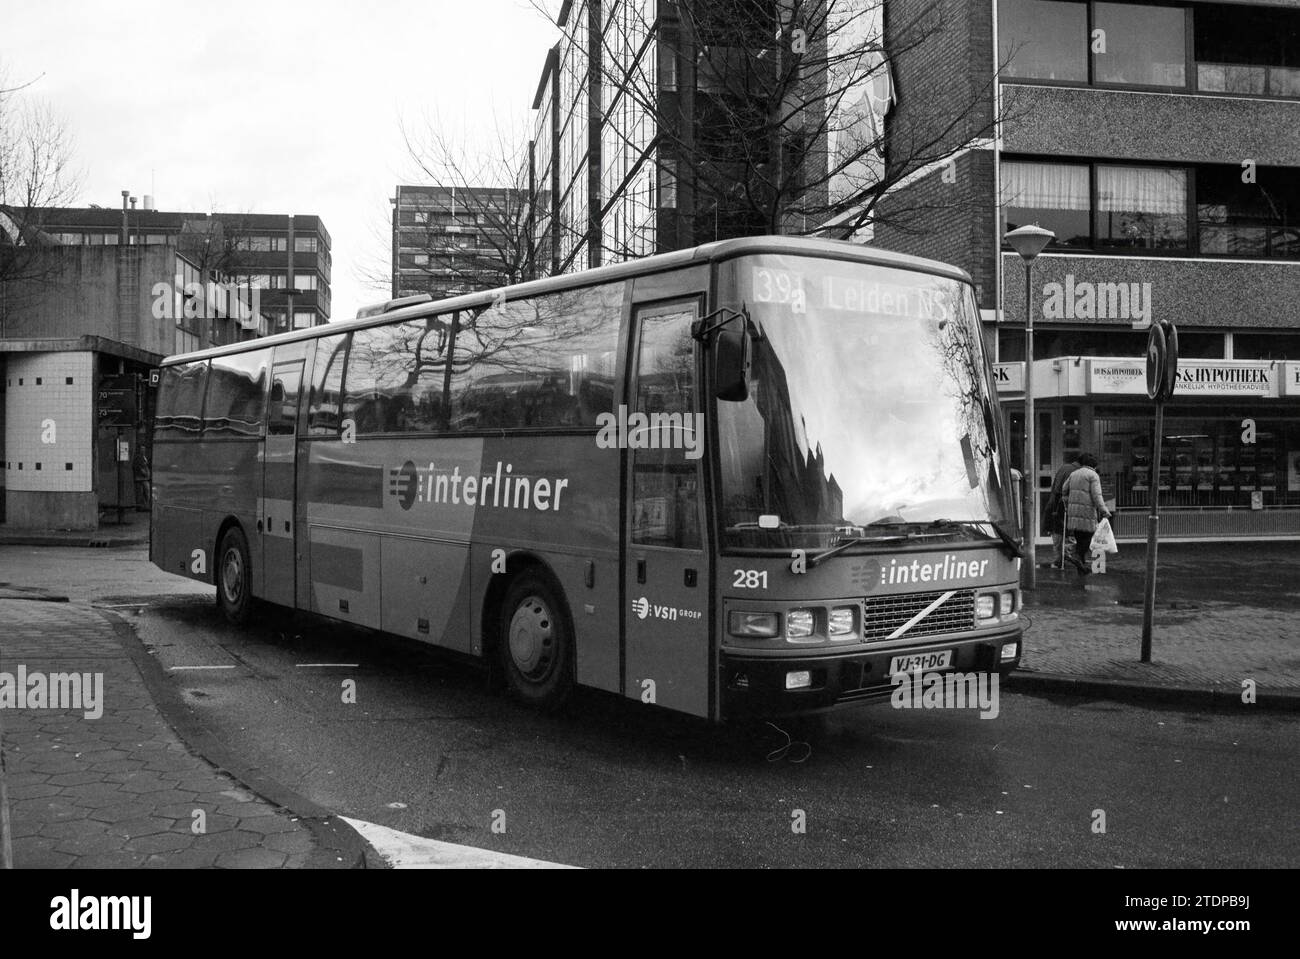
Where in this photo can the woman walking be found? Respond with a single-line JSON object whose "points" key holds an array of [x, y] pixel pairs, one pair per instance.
{"points": [[1084, 504]]}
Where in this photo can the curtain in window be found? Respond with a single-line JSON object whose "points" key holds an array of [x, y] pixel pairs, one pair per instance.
{"points": [[1141, 189], [1044, 186]]}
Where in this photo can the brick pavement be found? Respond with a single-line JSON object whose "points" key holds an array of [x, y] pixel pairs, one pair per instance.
{"points": [[1224, 613], [121, 790]]}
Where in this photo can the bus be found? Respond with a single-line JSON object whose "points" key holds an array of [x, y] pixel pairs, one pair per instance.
{"points": [[757, 478]]}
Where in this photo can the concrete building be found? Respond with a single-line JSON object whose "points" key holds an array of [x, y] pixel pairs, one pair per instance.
{"points": [[1161, 144], [276, 253], [80, 332]]}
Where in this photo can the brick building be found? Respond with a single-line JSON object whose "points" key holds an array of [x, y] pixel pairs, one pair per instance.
{"points": [[1160, 142]]}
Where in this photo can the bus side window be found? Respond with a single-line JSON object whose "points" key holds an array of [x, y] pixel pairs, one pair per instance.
{"points": [[236, 392], [323, 417], [665, 480], [180, 401], [286, 383]]}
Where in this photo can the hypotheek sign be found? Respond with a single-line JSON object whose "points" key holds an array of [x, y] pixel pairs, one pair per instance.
{"points": [[1195, 377]]}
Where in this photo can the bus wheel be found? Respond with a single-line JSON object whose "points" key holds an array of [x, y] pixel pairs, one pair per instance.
{"points": [[234, 595], [536, 643]]}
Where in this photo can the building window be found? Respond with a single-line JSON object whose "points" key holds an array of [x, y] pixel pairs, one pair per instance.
{"points": [[1144, 46], [1247, 50], [1247, 219], [304, 244], [1141, 207], [1264, 346], [302, 319], [668, 184], [1052, 195], [304, 281], [1043, 40]]}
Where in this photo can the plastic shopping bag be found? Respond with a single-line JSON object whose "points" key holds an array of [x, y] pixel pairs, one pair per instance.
{"points": [[1103, 540]]}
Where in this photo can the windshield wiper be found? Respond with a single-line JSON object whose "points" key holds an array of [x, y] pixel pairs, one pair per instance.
{"points": [[886, 538], [1009, 543]]}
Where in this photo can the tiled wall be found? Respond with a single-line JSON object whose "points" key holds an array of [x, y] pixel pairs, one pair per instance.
{"points": [[44, 389]]}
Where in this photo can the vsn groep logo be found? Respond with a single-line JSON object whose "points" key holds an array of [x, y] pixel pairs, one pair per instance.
{"points": [[404, 483]]}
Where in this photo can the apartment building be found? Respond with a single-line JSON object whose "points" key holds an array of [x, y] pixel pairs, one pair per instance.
{"points": [[449, 240]]}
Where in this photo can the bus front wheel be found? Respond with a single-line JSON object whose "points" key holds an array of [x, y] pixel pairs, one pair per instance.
{"points": [[536, 643], [234, 592]]}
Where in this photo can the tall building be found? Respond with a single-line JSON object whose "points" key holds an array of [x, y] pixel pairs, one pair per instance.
{"points": [[1161, 144], [275, 253], [649, 134], [449, 240]]}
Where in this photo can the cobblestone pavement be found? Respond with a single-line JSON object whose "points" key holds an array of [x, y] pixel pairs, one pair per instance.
{"points": [[121, 790], [1224, 613]]}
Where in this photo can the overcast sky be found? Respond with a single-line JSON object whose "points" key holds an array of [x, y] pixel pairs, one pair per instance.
{"points": [[273, 106]]}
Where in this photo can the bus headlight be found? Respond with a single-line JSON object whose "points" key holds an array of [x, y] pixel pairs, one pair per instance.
{"points": [[755, 625], [841, 622], [986, 606], [1008, 603], [799, 623]]}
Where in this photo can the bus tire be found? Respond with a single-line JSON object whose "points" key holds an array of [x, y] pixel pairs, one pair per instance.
{"points": [[234, 582], [535, 644]]}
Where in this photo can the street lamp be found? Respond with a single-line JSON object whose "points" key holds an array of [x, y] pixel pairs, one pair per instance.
{"points": [[1029, 241]]}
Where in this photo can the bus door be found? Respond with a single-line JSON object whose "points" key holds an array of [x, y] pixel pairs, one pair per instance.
{"points": [[277, 519], [665, 570]]}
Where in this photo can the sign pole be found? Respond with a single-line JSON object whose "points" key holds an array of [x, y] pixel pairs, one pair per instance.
{"points": [[1153, 534], [1162, 377]]}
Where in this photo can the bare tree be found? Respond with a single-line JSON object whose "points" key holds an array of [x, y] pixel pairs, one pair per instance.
{"points": [[473, 229], [35, 173]]}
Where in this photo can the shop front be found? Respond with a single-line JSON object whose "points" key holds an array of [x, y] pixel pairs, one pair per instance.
{"points": [[1230, 455]]}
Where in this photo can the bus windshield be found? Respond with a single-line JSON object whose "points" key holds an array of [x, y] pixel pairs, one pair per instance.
{"points": [[869, 413]]}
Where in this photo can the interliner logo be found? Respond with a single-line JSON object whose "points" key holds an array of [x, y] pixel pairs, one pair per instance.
{"points": [[37, 690], [921, 690]]}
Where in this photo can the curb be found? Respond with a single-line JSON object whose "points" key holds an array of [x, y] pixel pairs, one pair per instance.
{"points": [[89, 540], [1134, 691], [339, 846]]}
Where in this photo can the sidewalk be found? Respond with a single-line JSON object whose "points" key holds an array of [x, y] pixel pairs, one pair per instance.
{"points": [[1225, 613], [132, 531], [122, 790]]}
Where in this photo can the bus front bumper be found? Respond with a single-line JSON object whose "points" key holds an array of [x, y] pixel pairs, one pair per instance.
{"points": [[756, 686]]}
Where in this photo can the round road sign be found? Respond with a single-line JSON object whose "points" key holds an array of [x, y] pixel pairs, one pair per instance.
{"points": [[1156, 356]]}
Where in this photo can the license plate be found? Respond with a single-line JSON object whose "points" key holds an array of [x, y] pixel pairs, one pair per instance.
{"points": [[941, 659]]}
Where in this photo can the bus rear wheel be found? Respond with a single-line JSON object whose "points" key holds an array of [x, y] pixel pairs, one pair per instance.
{"points": [[536, 643], [234, 592]]}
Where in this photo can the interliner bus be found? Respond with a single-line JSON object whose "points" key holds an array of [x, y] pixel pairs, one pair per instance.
{"points": [[756, 478]]}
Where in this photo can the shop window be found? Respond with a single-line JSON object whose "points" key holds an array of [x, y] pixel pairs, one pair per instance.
{"points": [[1205, 462], [1266, 346]]}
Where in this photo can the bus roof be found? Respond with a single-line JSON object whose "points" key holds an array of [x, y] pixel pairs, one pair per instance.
{"points": [[709, 252]]}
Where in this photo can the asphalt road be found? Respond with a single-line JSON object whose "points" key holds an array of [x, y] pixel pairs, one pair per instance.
{"points": [[427, 749]]}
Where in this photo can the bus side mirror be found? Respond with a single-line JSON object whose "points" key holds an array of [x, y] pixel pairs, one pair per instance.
{"points": [[1018, 491], [731, 359]]}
